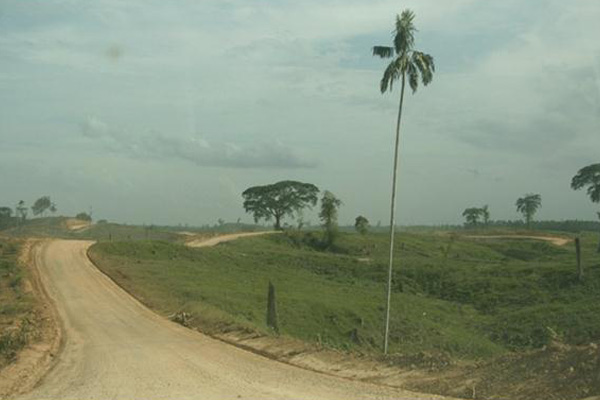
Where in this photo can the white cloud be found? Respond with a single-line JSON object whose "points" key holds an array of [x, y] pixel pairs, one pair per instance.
{"points": [[153, 145]]}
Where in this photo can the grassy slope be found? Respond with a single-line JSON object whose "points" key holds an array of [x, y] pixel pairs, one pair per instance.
{"points": [[15, 305], [468, 299]]}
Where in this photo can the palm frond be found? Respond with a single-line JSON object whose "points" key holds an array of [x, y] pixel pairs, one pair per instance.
{"points": [[383, 51], [390, 74], [413, 76], [424, 63]]}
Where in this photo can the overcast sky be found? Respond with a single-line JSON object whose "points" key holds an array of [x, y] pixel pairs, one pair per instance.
{"points": [[165, 111]]}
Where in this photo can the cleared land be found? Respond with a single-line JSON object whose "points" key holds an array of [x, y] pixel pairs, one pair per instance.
{"points": [[455, 299], [116, 348]]}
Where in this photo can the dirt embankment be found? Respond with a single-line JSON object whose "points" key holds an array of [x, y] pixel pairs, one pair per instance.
{"points": [[37, 357]]}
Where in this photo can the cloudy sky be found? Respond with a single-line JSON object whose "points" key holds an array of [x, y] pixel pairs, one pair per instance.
{"points": [[165, 111]]}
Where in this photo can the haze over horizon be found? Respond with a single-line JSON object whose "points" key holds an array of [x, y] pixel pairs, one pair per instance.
{"points": [[163, 112]]}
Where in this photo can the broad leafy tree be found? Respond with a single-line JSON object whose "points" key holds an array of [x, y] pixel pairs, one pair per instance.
{"points": [[472, 215], [589, 178], [41, 205], [407, 63], [329, 216], [84, 216], [528, 206], [361, 224], [274, 202]]}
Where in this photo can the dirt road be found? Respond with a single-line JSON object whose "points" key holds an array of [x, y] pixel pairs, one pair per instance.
{"points": [[115, 348], [555, 240], [203, 242]]}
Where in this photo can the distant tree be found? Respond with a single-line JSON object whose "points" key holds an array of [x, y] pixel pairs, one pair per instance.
{"points": [[329, 215], [53, 208], [485, 214], [414, 65], [21, 210], [589, 177], [83, 216], [361, 224], [41, 205], [472, 215], [278, 200], [221, 221], [5, 217], [528, 206]]}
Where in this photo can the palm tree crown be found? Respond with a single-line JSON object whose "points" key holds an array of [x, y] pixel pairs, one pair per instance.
{"points": [[528, 206], [408, 62]]}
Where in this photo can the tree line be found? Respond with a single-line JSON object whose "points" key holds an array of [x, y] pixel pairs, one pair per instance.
{"points": [[21, 211], [17, 215]]}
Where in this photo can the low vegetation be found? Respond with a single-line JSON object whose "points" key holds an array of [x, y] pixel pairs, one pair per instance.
{"points": [[465, 298], [15, 305]]}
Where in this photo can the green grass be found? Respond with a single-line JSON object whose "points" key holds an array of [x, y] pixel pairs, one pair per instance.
{"points": [[468, 299], [15, 305]]}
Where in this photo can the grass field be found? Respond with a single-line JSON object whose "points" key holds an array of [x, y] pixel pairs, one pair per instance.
{"points": [[464, 298], [15, 305]]}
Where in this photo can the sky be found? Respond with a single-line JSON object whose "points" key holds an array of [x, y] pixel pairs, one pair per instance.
{"points": [[164, 112]]}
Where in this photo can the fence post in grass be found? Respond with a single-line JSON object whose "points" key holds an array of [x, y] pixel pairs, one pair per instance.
{"points": [[578, 254], [272, 309]]}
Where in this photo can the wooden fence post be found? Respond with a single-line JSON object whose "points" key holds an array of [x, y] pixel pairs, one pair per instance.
{"points": [[578, 254], [272, 309]]}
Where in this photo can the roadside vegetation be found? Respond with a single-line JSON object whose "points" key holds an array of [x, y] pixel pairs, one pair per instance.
{"points": [[16, 306], [456, 297]]}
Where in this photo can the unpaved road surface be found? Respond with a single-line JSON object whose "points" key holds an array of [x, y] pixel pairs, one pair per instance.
{"points": [[224, 238], [115, 348], [558, 241]]}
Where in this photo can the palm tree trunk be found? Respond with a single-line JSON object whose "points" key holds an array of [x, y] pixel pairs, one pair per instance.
{"points": [[393, 223]]}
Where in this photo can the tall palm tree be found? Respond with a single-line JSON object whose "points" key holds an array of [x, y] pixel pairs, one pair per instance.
{"points": [[485, 214], [589, 176], [528, 206], [414, 65]]}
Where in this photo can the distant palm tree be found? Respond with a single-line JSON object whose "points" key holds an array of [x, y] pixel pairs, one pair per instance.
{"points": [[472, 215], [589, 176], [528, 206], [413, 64]]}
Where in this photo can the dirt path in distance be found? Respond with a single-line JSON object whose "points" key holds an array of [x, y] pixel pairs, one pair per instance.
{"points": [[213, 241], [555, 240]]}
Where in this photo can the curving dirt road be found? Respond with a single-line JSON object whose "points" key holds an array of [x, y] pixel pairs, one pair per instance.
{"points": [[115, 348]]}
